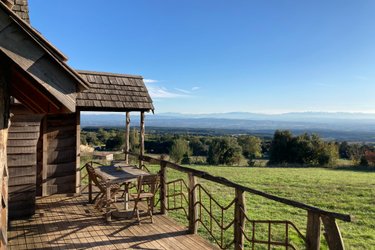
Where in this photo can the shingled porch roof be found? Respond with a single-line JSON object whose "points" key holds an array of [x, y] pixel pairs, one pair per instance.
{"points": [[113, 92]]}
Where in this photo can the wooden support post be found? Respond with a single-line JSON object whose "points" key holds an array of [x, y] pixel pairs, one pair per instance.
{"points": [[142, 138], [313, 231], [78, 152], [90, 187], [163, 188], [127, 136], [44, 157], [239, 219], [332, 233], [193, 210]]}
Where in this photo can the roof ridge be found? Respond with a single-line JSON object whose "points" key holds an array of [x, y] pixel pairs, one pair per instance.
{"points": [[87, 72]]}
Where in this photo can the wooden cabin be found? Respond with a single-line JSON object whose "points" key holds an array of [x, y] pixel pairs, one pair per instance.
{"points": [[41, 98]]}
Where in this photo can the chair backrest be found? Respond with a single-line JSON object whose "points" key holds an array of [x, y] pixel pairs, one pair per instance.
{"points": [[151, 181], [96, 178]]}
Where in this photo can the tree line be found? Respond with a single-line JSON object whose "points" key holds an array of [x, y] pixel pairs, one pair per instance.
{"points": [[283, 149]]}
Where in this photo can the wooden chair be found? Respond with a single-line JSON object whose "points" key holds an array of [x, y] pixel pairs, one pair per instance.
{"points": [[101, 200], [146, 188]]}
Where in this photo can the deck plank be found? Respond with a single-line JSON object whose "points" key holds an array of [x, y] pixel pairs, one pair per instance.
{"points": [[63, 222]]}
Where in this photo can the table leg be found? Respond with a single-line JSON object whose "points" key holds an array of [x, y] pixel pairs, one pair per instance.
{"points": [[126, 198]]}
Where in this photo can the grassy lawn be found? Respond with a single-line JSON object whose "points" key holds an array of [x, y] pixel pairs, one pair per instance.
{"points": [[345, 191]]}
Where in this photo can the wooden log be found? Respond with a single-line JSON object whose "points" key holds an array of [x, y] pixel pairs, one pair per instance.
{"points": [[313, 231], [239, 220], [332, 233], [22, 180], [78, 152], [44, 156], [127, 137], [228, 183], [19, 160], [193, 209], [142, 138], [22, 150], [21, 171], [163, 188]]}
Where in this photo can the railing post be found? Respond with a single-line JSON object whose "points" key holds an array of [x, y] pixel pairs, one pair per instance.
{"points": [[163, 187], [313, 231], [239, 219], [193, 210], [332, 233], [90, 187]]}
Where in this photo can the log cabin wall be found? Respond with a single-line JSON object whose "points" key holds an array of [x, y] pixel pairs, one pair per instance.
{"points": [[57, 155], [22, 161], [4, 114]]}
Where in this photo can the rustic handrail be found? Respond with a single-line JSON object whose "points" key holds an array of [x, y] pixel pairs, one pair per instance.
{"points": [[228, 183]]}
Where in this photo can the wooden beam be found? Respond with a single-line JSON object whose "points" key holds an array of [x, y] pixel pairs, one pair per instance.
{"points": [[78, 152], [44, 156], [332, 233], [127, 135], [228, 183], [142, 138], [193, 209], [313, 231], [239, 220]]}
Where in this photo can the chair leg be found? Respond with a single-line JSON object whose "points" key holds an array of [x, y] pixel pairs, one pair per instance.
{"points": [[135, 210], [150, 210]]}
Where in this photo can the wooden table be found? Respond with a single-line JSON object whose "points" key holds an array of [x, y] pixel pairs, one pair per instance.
{"points": [[119, 174]]}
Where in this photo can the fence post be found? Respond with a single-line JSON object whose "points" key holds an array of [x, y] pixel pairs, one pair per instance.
{"points": [[163, 187], [239, 220], [193, 210], [313, 231], [332, 233]]}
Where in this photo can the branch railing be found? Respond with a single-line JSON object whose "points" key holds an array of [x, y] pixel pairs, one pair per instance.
{"points": [[193, 197]]}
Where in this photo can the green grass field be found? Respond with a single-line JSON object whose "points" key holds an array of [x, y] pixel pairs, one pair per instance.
{"points": [[344, 191]]}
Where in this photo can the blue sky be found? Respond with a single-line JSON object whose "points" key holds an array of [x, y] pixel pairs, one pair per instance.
{"points": [[201, 56]]}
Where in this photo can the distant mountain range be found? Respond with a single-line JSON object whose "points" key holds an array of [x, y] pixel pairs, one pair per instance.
{"points": [[321, 122]]}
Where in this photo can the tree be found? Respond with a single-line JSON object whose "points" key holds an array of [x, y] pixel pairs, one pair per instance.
{"points": [[280, 147], [198, 147], [179, 148], [103, 135], [115, 143], [251, 146], [344, 150], [303, 149], [224, 151], [92, 139]]}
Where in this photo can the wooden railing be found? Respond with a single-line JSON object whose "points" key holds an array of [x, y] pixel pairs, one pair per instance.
{"points": [[191, 195]]}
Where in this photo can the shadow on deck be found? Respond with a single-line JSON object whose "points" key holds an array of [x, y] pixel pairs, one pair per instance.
{"points": [[63, 222]]}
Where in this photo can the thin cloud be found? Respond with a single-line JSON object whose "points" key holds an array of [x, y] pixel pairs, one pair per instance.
{"points": [[162, 92], [183, 91], [195, 88], [150, 81]]}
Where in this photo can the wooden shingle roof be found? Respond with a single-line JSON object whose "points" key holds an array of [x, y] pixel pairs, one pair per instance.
{"points": [[39, 63], [113, 92]]}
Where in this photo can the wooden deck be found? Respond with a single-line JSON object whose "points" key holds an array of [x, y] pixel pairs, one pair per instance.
{"points": [[70, 223]]}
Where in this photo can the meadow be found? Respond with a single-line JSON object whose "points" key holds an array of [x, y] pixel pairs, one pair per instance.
{"points": [[345, 191]]}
